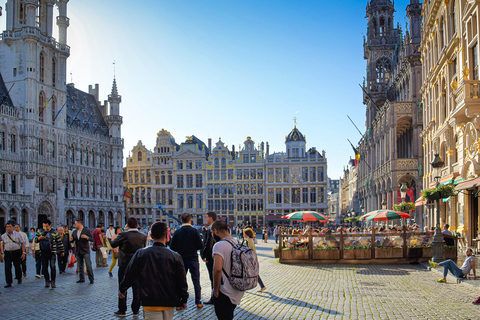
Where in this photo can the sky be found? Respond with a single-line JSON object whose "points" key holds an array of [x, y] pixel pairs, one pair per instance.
{"points": [[227, 69]]}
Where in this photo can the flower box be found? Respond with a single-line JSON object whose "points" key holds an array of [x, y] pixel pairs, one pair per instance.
{"points": [[357, 254], [450, 253], [427, 252], [326, 254], [275, 253], [295, 254], [388, 253], [414, 253]]}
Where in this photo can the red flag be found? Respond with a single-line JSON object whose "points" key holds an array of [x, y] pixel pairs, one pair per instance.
{"points": [[410, 194], [399, 196]]}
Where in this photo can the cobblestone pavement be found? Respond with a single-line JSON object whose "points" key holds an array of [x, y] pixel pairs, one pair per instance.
{"points": [[293, 292]]}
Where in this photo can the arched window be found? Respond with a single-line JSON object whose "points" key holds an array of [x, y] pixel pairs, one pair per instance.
{"points": [[87, 154], [106, 189], [54, 110], [42, 67], [216, 162], [94, 188], [73, 186], [139, 156], [81, 186], [93, 162], [87, 189], [41, 104], [224, 163], [72, 153], [383, 68], [101, 189], [453, 13], [54, 71]]}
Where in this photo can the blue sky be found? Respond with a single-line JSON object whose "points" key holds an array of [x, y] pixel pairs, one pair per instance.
{"points": [[228, 69]]}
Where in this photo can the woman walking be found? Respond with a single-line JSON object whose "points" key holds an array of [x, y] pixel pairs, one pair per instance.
{"points": [[249, 235], [114, 251]]}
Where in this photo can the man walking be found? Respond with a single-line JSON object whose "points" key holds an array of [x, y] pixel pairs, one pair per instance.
{"points": [[62, 259], [187, 241], [226, 297], [208, 248], [449, 265], [50, 243], [129, 242], [82, 237], [14, 253], [276, 232], [23, 264], [161, 288], [98, 243]]}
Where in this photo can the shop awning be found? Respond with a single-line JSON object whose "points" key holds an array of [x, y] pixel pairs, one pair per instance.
{"points": [[420, 202], [274, 216], [468, 184]]}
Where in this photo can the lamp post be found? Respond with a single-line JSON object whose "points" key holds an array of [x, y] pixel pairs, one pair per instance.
{"points": [[353, 215], [437, 245], [403, 194]]}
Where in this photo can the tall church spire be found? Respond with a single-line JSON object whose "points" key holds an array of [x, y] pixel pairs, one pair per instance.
{"points": [[114, 87]]}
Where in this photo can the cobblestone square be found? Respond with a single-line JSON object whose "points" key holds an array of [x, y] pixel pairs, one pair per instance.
{"points": [[293, 292]]}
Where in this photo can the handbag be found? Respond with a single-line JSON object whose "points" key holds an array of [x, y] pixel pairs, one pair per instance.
{"points": [[104, 252], [71, 260]]}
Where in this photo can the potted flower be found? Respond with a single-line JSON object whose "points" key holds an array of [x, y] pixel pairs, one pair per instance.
{"points": [[295, 253], [275, 252], [356, 252], [404, 206], [326, 253], [439, 192]]}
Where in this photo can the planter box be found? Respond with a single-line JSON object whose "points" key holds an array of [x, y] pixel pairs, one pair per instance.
{"points": [[450, 253], [388, 253], [414, 253], [357, 254], [427, 252], [275, 253], [326, 254], [295, 254]]}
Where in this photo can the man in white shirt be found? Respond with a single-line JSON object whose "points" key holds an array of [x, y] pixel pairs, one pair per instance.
{"points": [[226, 298], [14, 253], [468, 265], [23, 264], [110, 232]]}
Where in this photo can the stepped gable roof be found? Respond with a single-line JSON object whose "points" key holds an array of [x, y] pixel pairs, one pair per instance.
{"points": [[295, 135], [83, 112], [4, 95]]}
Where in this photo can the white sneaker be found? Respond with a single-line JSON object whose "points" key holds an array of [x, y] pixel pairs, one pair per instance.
{"points": [[37, 276], [262, 289]]}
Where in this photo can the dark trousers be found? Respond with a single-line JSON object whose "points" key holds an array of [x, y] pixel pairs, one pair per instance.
{"points": [[62, 262], [260, 282], [210, 273], [49, 258], [38, 262], [23, 264], [276, 238], [223, 307], [194, 268], [122, 302], [15, 258], [81, 258]]}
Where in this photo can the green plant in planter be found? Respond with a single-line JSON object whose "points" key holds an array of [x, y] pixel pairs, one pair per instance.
{"points": [[421, 246], [392, 247], [325, 248], [404, 206], [276, 248], [439, 192], [353, 247]]}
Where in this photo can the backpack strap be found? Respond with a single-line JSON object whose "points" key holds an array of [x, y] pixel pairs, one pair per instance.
{"points": [[226, 275]]}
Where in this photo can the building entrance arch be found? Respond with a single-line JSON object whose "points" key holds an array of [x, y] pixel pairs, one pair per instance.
{"points": [[45, 211]]}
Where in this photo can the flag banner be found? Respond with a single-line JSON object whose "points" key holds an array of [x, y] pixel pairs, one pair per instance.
{"points": [[357, 154], [128, 194], [60, 110], [411, 194], [46, 104]]}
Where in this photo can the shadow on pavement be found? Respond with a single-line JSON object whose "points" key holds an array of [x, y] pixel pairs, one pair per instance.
{"points": [[295, 302]]}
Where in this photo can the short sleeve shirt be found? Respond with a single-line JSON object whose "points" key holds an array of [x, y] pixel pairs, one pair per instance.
{"points": [[224, 249], [467, 264]]}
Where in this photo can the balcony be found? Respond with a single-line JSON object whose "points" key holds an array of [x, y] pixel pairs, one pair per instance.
{"points": [[467, 101], [9, 36]]}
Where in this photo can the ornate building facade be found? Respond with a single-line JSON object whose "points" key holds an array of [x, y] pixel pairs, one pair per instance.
{"points": [[451, 102], [391, 149], [196, 178], [60, 148]]}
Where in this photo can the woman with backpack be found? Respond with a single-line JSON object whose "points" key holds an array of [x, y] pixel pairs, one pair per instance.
{"points": [[249, 235]]}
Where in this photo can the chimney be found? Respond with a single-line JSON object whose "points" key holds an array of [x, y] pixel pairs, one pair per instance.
{"points": [[210, 144]]}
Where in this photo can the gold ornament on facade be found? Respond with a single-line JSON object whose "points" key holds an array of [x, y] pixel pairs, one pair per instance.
{"points": [[454, 84], [465, 72]]}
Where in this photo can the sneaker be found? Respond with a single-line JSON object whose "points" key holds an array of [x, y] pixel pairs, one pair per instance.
{"points": [[37, 276], [432, 264], [110, 275], [441, 280], [199, 305], [119, 314], [262, 289], [477, 301]]}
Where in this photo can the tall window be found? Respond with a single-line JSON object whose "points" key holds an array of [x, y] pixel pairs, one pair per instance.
{"points": [[139, 156], [40, 147], [13, 143], [54, 110], [42, 67], [180, 201], [199, 201], [41, 104], [475, 62], [198, 181], [189, 201], [3, 182], [383, 68], [40, 184], [2, 140], [54, 71], [189, 180], [180, 181], [14, 183]]}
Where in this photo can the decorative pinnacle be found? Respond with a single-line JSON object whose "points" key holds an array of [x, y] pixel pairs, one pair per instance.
{"points": [[114, 88]]}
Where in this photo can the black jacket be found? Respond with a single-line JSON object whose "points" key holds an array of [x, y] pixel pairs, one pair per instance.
{"points": [[208, 243], [128, 242], [82, 246], [187, 241], [161, 276]]}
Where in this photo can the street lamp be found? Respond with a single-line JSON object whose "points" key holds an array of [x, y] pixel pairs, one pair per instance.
{"points": [[403, 191], [437, 244], [384, 204]]}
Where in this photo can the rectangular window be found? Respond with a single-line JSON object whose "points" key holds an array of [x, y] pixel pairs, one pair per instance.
{"points": [[210, 205], [3, 182], [246, 205], [270, 196], [198, 164], [475, 62], [199, 201], [40, 184], [157, 178], [149, 176], [14, 183], [239, 205], [180, 181], [304, 194], [305, 174], [224, 174], [254, 205], [260, 204], [246, 174], [253, 158], [253, 174], [231, 205], [189, 181], [216, 175], [260, 189], [245, 158], [224, 205], [239, 174], [189, 201], [230, 174], [295, 195], [180, 201], [260, 174], [2, 141], [313, 175], [217, 205], [278, 175], [286, 196], [188, 164], [40, 147], [278, 196], [270, 175], [179, 164], [198, 181], [313, 195], [209, 175], [13, 143]]}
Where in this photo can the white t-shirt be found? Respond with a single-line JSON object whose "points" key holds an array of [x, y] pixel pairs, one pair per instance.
{"points": [[224, 250], [467, 264]]}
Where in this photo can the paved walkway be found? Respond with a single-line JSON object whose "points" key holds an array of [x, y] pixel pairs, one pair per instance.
{"points": [[293, 292]]}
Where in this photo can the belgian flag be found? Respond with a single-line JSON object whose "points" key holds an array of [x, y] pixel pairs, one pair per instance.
{"points": [[357, 154], [128, 194]]}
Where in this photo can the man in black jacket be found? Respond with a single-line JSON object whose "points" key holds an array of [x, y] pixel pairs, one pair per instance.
{"points": [[161, 277], [82, 237], [187, 241], [207, 249], [129, 242]]}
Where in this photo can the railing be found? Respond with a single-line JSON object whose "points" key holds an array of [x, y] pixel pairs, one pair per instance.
{"points": [[9, 111], [350, 247], [25, 31]]}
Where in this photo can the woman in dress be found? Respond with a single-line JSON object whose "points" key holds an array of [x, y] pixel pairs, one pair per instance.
{"points": [[249, 235], [114, 251]]}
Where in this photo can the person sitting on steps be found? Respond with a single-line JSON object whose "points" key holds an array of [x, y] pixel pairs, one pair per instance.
{"points": [[468, 264]]}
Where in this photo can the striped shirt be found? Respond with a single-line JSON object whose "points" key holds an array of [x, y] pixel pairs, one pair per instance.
{"points": [[16, 244]]}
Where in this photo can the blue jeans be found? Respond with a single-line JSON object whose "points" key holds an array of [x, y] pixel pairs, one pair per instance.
{"points": [[450, 265], [194, 268]]}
